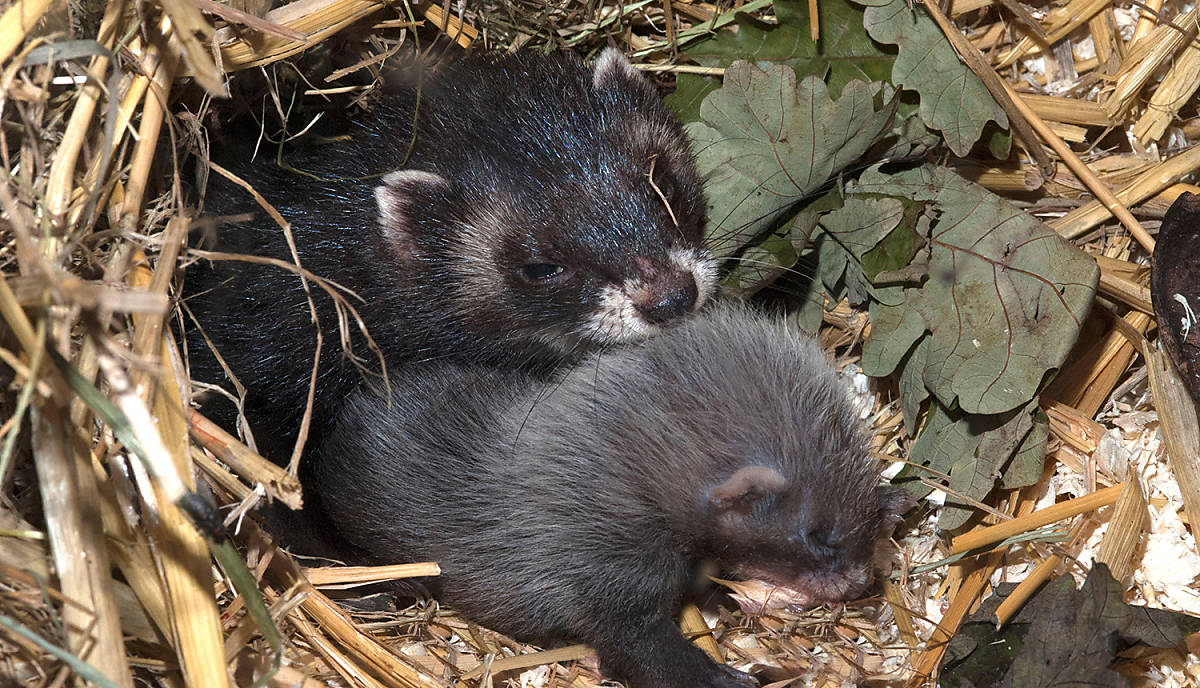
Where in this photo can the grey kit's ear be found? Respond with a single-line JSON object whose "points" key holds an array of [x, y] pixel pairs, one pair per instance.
{"points": [[613, 70], [399, 194], [745, 488]]}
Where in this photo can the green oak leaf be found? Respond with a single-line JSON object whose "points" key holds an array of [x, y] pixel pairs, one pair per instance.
{"points": [[765, 143], [953, 100], [974, 450], [1062, 637], [843, 53], [1005, 295]]}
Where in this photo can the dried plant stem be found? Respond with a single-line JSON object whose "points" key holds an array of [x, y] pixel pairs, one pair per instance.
{"points": [[147, 340], [344, 576], [1151, 9], [1145, 57], [1070, 110], [1115, 358], [336, 624], [183, 555], [904, 621], [250, 466], [16, 22], [135, 91], [1117, 281], [1061, 22], [531, 659], [131, 553], [1026, 588], [193, 34], [1051, 514], [1159, 177], [1180, 429], [1085, 174], [342, 663], [1173, 92], [693, 625], [153, 111], [1106, 38], [61, 181], [464, 34], [71, 502], [316, 19], [1129, 521]]}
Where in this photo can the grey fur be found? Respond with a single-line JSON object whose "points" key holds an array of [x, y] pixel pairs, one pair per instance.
{"points": [[581, 510]]}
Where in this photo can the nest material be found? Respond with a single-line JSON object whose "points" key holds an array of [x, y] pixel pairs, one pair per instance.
{"points": [[94, 221]]}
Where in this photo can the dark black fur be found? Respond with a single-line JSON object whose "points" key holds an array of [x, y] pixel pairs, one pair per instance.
{"points": [[527, 194], [582, 510]]}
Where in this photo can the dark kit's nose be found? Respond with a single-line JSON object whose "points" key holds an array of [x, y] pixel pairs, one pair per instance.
{"points": [[663, 306]]}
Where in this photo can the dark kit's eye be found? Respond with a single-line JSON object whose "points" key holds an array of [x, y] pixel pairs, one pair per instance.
{"points": [[540, 272]]}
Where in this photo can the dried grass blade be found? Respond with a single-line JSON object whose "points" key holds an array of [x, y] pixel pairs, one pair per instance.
{"points": [[250, 21], [1070, 110], [462, 33], [693, 625], [904, 621], [194, 33], [1118, 280], [338, 626], [198, 631], [151, 65], [153, 111], [1062, 22], [1145, 59]]}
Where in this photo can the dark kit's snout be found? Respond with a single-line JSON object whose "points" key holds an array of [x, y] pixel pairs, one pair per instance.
{"points": [[663, 303]]}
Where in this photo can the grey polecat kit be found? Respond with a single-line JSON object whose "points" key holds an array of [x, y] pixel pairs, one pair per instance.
{"points": [[581, 509], [513, 211]]}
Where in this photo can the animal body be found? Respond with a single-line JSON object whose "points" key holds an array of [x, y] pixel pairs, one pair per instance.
{"points": [[583, 508], [511, 211]]}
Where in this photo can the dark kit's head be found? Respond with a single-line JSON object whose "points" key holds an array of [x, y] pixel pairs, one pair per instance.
{"points": [[564, 210]]}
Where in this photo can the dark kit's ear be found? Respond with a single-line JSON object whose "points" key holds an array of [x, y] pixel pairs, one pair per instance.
{"points": [[613, 70], [745, 488], [894, 502], [397, 197]]}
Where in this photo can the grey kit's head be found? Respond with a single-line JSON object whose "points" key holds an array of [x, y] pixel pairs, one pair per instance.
{"points": [[562, 196], [795, 498]]}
